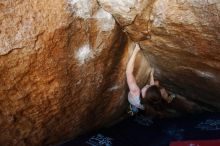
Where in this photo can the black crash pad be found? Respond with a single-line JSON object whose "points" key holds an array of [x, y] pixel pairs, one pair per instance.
{"points": [[142, 131]]}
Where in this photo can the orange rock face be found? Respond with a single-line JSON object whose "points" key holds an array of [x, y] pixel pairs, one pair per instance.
{"points": [[61, 70], [62, 62], [181, 40]]}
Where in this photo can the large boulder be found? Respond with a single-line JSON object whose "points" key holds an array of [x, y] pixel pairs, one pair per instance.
{"points": [[180, 39], [61, 70], [62, 62]]}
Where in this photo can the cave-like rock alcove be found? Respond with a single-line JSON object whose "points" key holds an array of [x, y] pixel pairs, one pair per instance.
{"points": [[62, 62]]}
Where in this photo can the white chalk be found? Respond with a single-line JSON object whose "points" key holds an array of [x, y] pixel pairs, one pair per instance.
{"points": [[84, 54], [106, 20], [81, 8], [113, 88]]}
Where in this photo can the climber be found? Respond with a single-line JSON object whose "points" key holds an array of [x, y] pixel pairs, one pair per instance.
{"points": [[152, 99], [149, 98]]}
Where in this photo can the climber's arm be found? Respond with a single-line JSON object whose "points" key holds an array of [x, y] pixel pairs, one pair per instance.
{"points": [[152, 82], [134, 89], [152, 77]]}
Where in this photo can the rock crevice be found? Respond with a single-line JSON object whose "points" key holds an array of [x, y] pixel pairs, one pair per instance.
{"points": [[62, 62]]}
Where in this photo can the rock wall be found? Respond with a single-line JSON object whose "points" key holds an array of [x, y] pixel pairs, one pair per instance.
{"points": [[180, 39], [62, 62], [61, 70]]}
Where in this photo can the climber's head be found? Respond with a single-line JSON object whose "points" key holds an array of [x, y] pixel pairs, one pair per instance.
{"points": [[153, 97]]}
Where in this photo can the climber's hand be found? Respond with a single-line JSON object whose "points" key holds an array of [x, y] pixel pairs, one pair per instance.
{"points": [[136, 48]]}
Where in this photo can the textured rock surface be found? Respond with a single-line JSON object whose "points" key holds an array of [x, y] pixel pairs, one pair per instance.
{"points": [[62, 62], [182, 44], [61, 70]]}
